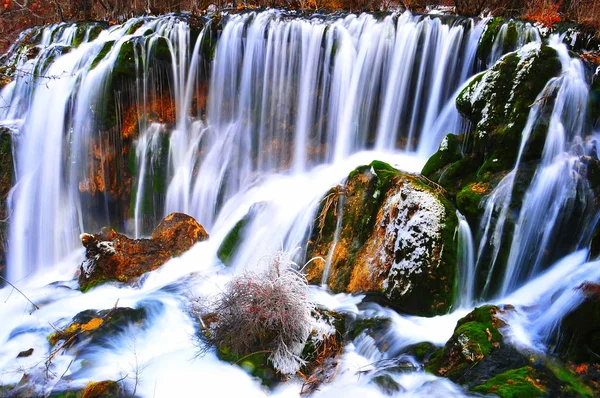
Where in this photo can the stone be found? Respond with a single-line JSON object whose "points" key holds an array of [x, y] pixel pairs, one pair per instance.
{"points": [[395, 235], [111, 256]]}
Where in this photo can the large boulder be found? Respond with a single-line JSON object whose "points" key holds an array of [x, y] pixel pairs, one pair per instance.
{"points": [[389, 232], [496, 103], [578, 337], [479, 357], [111, 256]]}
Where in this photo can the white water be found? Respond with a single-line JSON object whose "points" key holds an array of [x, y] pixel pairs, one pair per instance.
{"points": [[265, 140]]}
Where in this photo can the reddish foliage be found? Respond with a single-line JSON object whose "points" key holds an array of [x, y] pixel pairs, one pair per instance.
{"points": [[546, 12]]}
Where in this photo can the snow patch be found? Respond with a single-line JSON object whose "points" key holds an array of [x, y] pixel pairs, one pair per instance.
{"points": [[413, 222]]}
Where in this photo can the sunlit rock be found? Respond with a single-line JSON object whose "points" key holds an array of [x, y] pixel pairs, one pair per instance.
{"points": [[389, 232], [111, 256]]}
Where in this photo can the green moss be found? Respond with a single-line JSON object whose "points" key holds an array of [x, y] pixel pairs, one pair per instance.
{"points": [[435, 362], [92, 284], [102, 54], [448, 152], [486, 42], [574, 385], [230, 243], [512, 36], [160, 50], [125, 65], [512, 384], [256, 364], [468, 203]]}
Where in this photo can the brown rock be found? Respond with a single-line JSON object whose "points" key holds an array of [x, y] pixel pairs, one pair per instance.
{"points": [[99, 389], [111, 256]]}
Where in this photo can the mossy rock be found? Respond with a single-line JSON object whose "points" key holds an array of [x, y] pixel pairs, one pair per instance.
{"points": [[100, 389], [543, 378], [96, 327], [421, 351], [370, 326], [387, 385], [474, 338], [487, 39], [361, 197], [448, 152], [395, 236], [497, 103], [230, 245], [515, 383]]}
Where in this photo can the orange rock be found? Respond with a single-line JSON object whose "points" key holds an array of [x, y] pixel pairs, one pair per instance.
{"points": [[111, 256]]}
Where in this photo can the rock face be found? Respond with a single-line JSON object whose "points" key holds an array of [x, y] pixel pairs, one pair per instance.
{"points": [[479, 357], [111, 256], [6, 181], [388, 232], [497, 103], [579, 332]]}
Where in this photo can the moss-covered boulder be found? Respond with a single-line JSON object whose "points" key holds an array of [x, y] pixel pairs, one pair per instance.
{"points": [[230, 245], [111, 256], [389, 232], [479, 357], [475, 337], [497, 103], [97, 326]]}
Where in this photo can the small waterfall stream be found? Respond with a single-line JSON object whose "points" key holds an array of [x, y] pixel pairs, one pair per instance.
{"points": [[266, 118]]}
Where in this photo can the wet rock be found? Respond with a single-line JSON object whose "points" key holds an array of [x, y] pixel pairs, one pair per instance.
{"points": [[230, 245], [101, 389], [578, 337], [387, 385], [96, 326], [478, 357], [475, 337], [26, 353], [389, 232], [111, 256], [6, 182]]}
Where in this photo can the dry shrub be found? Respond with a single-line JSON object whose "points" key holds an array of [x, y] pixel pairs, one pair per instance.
{"points": [[257, 312], [584, 12]]}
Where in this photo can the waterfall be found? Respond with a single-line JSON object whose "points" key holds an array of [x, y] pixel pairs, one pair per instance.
{"points": [[556, 193], [256, 117], [466, 263], [378, 84]]}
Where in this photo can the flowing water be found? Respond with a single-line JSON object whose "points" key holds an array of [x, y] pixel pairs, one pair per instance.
{"points": [[293, 105]]}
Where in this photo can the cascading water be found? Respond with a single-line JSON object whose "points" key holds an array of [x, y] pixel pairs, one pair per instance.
{"points": [[267, 145]]}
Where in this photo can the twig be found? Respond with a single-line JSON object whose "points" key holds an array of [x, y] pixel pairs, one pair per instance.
{"points": [[22, 294], [252, 353]]}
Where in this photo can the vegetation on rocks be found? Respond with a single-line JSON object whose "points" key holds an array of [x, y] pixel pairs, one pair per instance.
{"points": [[265, 323], [390, 232]]}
